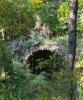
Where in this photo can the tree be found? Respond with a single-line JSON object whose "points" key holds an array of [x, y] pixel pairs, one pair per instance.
{"points": [[72, 40], [72, 32]]}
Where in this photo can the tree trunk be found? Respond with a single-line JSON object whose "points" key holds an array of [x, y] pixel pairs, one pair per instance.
{"points": [[72, 42], [72, 32]]}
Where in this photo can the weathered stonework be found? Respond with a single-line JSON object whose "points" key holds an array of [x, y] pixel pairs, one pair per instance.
{"points": [[52, 48], [20, 48]]}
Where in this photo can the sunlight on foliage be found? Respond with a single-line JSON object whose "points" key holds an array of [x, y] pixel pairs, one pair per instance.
{"points": [[79, 64], [37, 4], [80, 4], [63, 11]]}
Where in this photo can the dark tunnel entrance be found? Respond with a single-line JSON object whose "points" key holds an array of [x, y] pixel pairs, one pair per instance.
{"points": [[32, 60]]}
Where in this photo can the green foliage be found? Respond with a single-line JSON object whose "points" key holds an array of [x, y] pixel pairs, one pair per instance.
{"points": [[37, 4], [24, 85], [48, 15], [7, 16], [21, 84], [5, 72], [80, 23], [16, 80], [14, 19], [63, 16], [63, 12], [5, 61], [36, 39], [11, 80], [51, 63], [80, 4]]}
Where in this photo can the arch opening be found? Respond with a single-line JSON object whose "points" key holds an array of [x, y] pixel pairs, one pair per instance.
{"points": [[33, 60]]}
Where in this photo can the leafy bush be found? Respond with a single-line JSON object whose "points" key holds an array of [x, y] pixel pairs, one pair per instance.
{"points": [[54, 62], [21, 84]]}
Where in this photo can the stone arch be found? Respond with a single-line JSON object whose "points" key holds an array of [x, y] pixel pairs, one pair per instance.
{"points": [[52, 48], [43, 51]]}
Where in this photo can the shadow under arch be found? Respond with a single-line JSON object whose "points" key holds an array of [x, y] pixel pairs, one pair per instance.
{"points": [[32, 60]]}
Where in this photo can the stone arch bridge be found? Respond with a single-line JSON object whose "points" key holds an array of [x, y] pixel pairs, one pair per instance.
{"points": [[49, 47], [18, 48]]}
